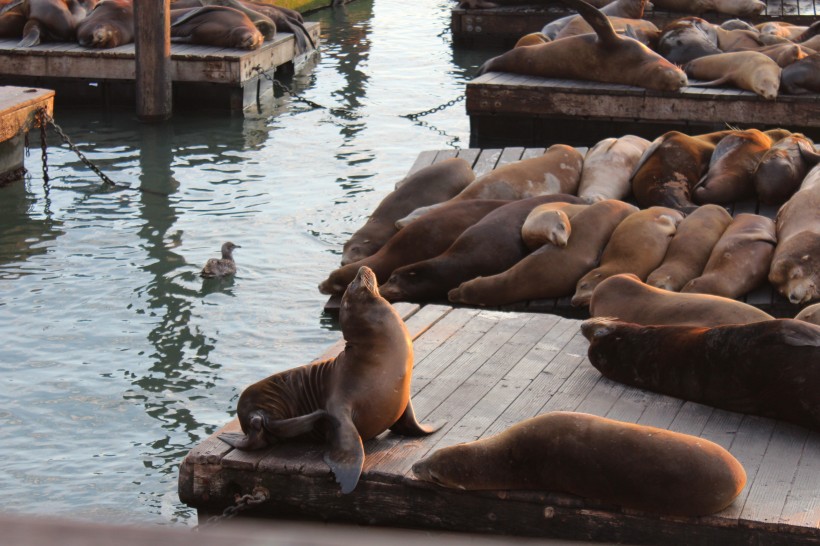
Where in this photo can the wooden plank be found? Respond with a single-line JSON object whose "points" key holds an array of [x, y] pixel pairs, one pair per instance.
{"points": [[470, 155], [17, 108], [532, 152], [802, 508], [424, 159], [509, 155], [486, 161]]}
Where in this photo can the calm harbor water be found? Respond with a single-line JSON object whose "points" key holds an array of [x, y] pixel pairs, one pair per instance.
{"points": [[116, 357]]}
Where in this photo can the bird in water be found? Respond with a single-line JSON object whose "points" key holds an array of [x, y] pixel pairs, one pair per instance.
{"points": [[223, 266]]}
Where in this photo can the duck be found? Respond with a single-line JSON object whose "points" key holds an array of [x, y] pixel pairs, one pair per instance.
{"points": [[223, 266]]}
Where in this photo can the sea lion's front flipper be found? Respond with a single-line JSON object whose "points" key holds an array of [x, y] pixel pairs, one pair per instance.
{"points": [[295, 426], [596, 19], [346, 454], [407, 425]]}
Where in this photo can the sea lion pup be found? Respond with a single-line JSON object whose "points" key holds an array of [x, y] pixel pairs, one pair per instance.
{"points": [[749, 70], [634, 466], [433, 184], [810, 314], [637, 246], [216, 26], [769, 368], [351, 398], [738, 8], [783, 167], [550, 271], [632, 9], [425, 238], [690, 248], [549, 224], [795, 269], [627, 298], [802, 77], [110, 24], [670, 167], [686, 39], [608, 168], [735, 158], [740, 261], [558, 170], [490, 246], [604, 56]]}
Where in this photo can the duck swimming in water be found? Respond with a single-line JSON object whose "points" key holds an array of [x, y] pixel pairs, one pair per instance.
{"points": [[223, 266]]}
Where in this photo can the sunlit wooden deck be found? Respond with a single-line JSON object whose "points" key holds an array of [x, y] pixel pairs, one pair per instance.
{"points": [[18, 106]]}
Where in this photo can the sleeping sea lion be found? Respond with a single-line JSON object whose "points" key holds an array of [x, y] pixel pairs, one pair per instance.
{"points": [[783, 167], [802, 77], [216, 26], [749, 70], [608, 167], [733, 161], [549, 224], [686, 39], [110, 24], [632, 9]]}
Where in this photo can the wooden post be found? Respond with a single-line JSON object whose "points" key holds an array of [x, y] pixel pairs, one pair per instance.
{"points": [[152, 22]]}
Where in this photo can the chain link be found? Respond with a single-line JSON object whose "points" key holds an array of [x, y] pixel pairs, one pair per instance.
{"points": [[40, 116], [285, 89], [74, 149], [242, 503], [439, 108]]}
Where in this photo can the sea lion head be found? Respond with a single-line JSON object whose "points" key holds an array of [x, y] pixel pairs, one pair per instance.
{"points": [[660, 74], [362, 291], [246, 38], [795, 270], [415, 281], [766, 82], [598, 327], [448, 467], [583, 290]]}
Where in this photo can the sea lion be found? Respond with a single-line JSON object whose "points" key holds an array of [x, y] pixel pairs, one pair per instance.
{"points": [[426, 238], [670, 167], [550, 271], [12, 19], [690, 248], [795, 269], [604, 56], [640, 29], [46, 20], [740, 261], [549, 224], [633, 466], [433, 184], [733, 161], [737, 39], [737, 8], [627, 298], [221, 267], [783, 167], [632, 9], [558, 170], [216, 26], [488, 247], [802, 77], [351, 398], [533, 38], [780, 29], [608, 167], [769, 368], [810, 314], [784, 55], [110, 24], [749, 70], [686, 39], [263, 23], [637, 246]]}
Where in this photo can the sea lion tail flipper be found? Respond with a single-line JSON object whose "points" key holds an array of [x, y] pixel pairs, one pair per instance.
{"points": [[10, 6], [346, 454], [32, 34], [808, 152], [187, 16], [304, 34], [295, 426], [407, 425], [721, 80], [596, 19], [647, 154]]}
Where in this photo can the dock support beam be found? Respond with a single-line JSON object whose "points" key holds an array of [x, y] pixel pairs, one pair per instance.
{"points": [[152, 21]]}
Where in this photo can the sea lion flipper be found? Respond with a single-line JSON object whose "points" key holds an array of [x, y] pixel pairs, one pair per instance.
{"points": [[295, 426], [32, 34], [187, 16], [596, 19], [407, 425], [346, 454], [808, 152]]}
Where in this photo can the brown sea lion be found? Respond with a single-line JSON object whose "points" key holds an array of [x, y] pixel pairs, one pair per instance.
{"points": [[216, 26], [738, 8], [784, 55], [735, 158], [425, 238], [637, 246], [12, 19], [783, 167], [533, 38], [802, 77], [632, 9], [740, 261], [690, 248], [550, 271], [608, 168], [640, 29], [488, 247], [671, 167], [604, 56], [549, 224], [434, 184], [686, 39], [810, 314], [749, 70], [46, 20], [737, 39], [633, 466], [781, 29], [351, 398], [627, 298], [110, 24], [769, 368], [558, 170]]}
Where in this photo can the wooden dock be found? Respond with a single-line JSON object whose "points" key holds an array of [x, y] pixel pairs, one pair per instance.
{"points": [[504, 25], [203, 76], [516, 110], [483, 371], [18, 107]]}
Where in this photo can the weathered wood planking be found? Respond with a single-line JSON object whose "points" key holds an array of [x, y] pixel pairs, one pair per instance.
{"points": [[483, 371], [504, 25], [17, 107], [516, 110]]}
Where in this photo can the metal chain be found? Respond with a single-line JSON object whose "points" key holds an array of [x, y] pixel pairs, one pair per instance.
{"points": [[434, 110], [40, 116], [285, 89], [76, 150], [260, 495]]}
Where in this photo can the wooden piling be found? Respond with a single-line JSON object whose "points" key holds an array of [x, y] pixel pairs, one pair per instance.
{"points": [[152, 22]]}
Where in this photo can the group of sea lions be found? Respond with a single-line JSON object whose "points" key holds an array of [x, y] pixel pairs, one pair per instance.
{"points": [[242, 24]]}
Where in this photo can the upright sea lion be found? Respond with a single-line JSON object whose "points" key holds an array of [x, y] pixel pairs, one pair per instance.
{"points": [[432, 184], [810, 314], [769, 368], [783, 167], [740, 261], [735, 158], [627, 298], [550, 271], [690, 248], [633, 466], [425, 238], [637, 246], [604, 56], [110, 24], [608, 168], [749, 70], [488, 247], [549, 224], [216, 26], [350, 398], [558, 170], [802, 77]]}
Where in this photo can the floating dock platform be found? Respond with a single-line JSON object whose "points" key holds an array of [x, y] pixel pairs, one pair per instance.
{"points": [[515, 110], [203, 76], [504, 25], [18, 114], [483, 371]]}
